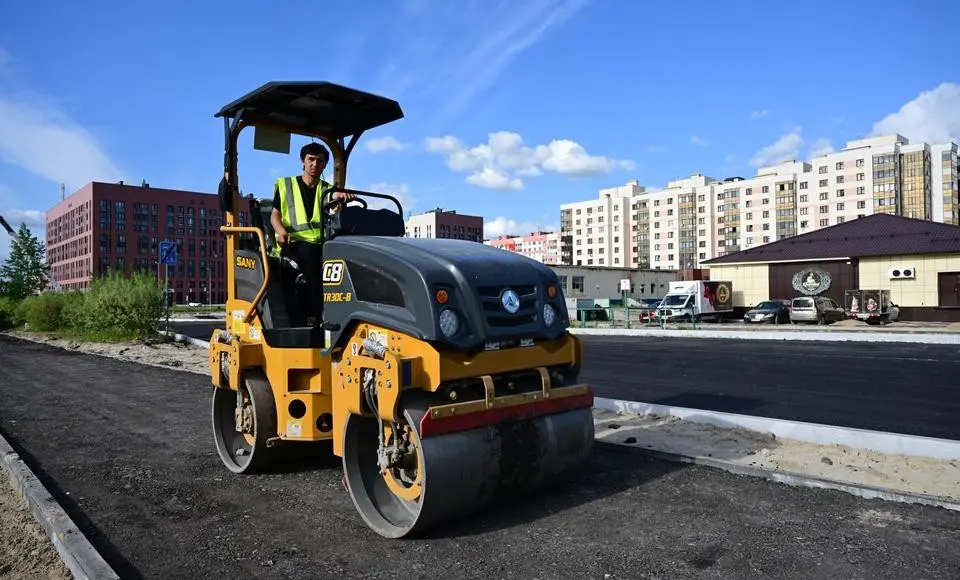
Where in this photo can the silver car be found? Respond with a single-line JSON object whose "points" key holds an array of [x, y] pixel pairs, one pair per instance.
{"points": [[815, 309]]}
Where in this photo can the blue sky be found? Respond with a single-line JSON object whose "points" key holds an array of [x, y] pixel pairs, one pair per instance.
{"points": [[512, 107]]}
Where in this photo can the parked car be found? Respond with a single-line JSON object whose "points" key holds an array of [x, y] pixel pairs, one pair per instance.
{"points": [[815, 309], [775, 311], [649, 306]]}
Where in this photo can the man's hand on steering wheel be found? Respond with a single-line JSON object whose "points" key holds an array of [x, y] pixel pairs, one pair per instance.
{"points": [[345, 196]]}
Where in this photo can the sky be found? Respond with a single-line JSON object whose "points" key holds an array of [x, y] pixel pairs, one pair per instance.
{"points": [[511, 107]]}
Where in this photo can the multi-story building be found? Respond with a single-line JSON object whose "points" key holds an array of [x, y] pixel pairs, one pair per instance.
{"points": [[541, 246], [438, 223], [672, 227], [113, 226], [596, 232], [945, 183], [700, 218]]}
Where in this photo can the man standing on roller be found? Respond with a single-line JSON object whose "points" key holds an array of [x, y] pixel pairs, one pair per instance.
{"points": [[297, 221]]}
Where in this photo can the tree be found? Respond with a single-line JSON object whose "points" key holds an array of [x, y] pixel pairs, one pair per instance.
{"points": [[25, 272]]}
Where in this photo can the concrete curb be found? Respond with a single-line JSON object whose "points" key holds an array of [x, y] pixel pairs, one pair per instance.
{"points": [[187, 339], [78, 555], [820, 434], [789, 478], [807, 335]]}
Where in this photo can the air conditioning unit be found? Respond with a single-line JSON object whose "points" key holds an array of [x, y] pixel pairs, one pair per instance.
{"points": [[903, 273]]}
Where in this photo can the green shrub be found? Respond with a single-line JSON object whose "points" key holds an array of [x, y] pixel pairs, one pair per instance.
{"points": [[119, 306], [8, 313], [46, 312], [114, 308]]}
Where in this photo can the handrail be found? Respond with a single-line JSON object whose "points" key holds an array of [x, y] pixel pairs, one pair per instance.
{"points": [[263, 256]]}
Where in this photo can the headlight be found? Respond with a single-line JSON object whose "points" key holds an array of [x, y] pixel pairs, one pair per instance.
{"points": [[549, 315], [449, 323]]}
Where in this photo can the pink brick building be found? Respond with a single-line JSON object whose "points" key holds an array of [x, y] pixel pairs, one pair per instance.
{"points": [[541, 246], [110, 226]]}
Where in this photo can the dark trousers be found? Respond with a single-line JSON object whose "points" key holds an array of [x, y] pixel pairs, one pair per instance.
{"points": [[303, 300]]}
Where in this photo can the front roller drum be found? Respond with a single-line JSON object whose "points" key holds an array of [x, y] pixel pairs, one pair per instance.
{"points": [[241, 432], [450, 476]]}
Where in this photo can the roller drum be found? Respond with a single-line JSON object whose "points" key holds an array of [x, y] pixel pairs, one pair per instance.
{"points": [[465, 471]]}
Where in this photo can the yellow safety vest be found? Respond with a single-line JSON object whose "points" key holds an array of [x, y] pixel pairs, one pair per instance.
{"points": [[294, 216]]}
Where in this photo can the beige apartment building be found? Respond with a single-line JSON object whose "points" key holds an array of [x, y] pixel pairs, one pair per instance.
{"points": [[700, 218]]}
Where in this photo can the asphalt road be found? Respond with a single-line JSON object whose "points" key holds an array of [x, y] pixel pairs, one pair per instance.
{"points": [[133, 449], [901, 388]]}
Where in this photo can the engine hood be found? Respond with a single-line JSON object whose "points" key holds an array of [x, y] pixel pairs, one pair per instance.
{"points": [[476, 276]]}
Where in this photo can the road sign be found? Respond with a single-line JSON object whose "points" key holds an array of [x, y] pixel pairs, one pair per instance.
{"points": [[168, 253]]}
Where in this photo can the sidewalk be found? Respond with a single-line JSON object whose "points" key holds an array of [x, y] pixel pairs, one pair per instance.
{"points": [[739, 326]]}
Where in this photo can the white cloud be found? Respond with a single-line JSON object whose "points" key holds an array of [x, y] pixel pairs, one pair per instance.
{"points": [[783, 149], [821, 146], [401, 191], [933, 116], [504, 226], [455, 50], [37, 136], [495, 179], [34, 218], [382, 144], [504, 159], [759, 114], [698, 141]]}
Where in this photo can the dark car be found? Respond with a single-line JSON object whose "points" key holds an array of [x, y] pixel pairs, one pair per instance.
{"points": [[775, 311]]}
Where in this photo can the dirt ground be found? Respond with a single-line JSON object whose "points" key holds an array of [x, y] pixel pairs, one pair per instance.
{"points": [[25, 550]]}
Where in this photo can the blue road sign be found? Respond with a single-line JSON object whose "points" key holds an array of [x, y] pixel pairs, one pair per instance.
{"points": [[168, 253]]}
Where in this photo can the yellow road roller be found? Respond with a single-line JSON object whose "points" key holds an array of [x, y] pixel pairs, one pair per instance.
{"points": [[440, 370]]}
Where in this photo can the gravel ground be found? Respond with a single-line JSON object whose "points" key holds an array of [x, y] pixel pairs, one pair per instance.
{"points": [[135, 454], [25, 549]]}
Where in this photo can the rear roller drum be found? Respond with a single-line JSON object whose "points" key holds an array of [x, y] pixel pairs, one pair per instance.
{"points": [[245, 450], [426, 482]]}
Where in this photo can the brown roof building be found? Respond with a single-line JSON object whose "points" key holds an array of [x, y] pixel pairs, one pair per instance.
{"points": [[918, 261]]}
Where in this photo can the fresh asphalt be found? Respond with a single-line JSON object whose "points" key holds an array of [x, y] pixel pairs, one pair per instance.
{"points": [[129, 452], [901, 388]]}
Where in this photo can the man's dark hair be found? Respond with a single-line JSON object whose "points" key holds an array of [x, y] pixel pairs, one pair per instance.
{"points": [[314, 149]]}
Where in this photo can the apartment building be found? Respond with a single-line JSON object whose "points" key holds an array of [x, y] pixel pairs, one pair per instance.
{"points": [[672, 227], [540, 246], [597, 232], [945, 183], [439, 223], [700, 218], [105, 227]]}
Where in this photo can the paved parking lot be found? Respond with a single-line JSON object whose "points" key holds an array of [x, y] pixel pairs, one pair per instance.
{"points": [[133, 449]]}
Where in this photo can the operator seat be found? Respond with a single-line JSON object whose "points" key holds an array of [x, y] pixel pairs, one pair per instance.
{"points": [[354, 220]]}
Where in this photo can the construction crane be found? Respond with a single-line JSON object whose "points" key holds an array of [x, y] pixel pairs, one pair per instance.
{"points": [[6, 226]]}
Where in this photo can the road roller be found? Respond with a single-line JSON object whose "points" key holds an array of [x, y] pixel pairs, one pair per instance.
{"points": [[439, 370]]}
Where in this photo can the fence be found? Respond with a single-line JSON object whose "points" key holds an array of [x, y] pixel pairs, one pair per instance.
{"points": [[622, 316]]}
